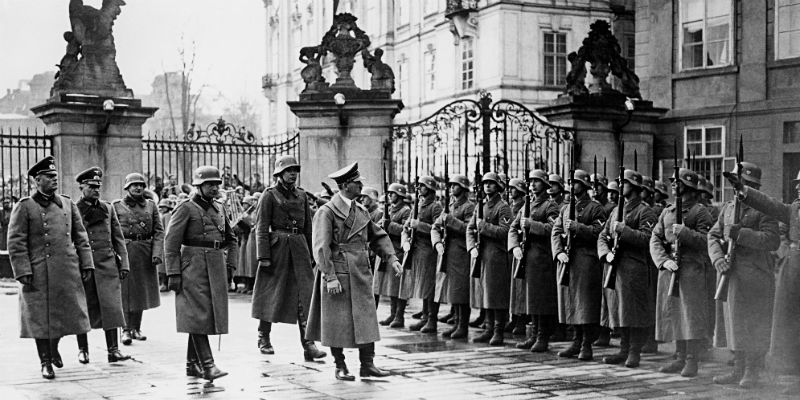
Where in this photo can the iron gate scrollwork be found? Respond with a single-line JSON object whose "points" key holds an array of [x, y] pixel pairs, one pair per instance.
{"points": [[500, 133]]}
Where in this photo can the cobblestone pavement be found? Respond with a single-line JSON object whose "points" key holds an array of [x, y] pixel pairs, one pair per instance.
{"points": [[423, 366]]}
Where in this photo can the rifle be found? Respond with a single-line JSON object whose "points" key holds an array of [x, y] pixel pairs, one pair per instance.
{"points": [[387, 220], [413, 232], [441, 262], [722, 287], [611, 277], [563, 276], [475, 263], [673, 289], [518, 266]]}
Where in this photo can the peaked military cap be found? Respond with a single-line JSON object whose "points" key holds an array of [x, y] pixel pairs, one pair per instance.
{"points": [[45, 166], [92, 176], [347, 174]]}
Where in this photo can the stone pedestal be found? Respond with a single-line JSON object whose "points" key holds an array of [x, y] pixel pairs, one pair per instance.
{"points": [[333, 136], [598, 120], [85, 135]]}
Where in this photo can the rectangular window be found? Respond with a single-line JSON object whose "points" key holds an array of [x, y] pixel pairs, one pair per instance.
{"points": [[791, 132], [705, 145], [555, 58], [705, 33], [430, 69], [402, 13], [467, 64], [402, 75], [787, 28], [629, 49]]}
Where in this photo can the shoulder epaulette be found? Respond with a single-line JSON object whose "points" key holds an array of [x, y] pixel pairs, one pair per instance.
{"points": [[24, 199], [116, 201], [63, 195]]}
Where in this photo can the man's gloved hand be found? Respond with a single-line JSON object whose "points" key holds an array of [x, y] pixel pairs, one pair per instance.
{"points": [[406, 246], [123, 273], [439, 248], [87, 274], [517, 253], [157, 260], [617, 227], [25, 279], [721, 266], [734, 232], [473, 253], [175, 283], [413, 223], [398, 268], [735, 182], [334, 287], [610, 257], [570, 226], [677, 228], [670, 265], [563, 257]]}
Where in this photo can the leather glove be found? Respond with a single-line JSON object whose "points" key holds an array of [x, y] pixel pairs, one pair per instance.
{"points": [[570, 226], [670, 265], [440, 248], [406, 246], [677, 228], [609, 257], [175, 283], [734, 232], [481, 224], [87, 274], [413, 223], [334, 287], [721, 266], [157, 260], [473, 253], [25, 279], [617, 227], [563, 257], [734, 180], [523, 224], [123, 274], [398, 268], [517, 253]]}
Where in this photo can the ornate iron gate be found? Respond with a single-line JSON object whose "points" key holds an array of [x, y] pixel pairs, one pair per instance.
{"points": [[19, 150], [500, 133]]}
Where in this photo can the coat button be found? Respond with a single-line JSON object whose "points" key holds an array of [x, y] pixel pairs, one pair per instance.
{"points": [[48, 256]]}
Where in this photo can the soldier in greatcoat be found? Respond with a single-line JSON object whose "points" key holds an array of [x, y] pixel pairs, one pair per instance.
{"points": [[540, 270], [419, 282], [50, 255], [369, 199], [285, 274], [386, 282], [343, 311], [556, 190], [449, 235], [491, 291], [104, 290], [200, 250], [144, 239], [684, 319], [626, 245], [579, 298], [751, 289], [600, 195], [165, 207], [518, 191], [247, 263], [660, 198]]}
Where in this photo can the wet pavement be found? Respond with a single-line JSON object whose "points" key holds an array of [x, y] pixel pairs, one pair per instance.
{"points": [[423, 367]]}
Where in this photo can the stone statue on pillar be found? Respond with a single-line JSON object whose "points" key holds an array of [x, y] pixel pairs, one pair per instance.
{"points": [[312, 72], [382, 74], [344, 39]]}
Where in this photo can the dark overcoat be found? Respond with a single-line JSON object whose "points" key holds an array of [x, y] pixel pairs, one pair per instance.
{"points": [[419, 282], [283, 236], [452, 286], [519, 302], [687, 316], [375, 214], [104, 291], [385, 282], [243, 229], [630, 304], [492, 289], [608, 206], [144, 238], [162, 268], [48, 240], [579, 303], [751, 285], [540, 270], [202, 305], [343, 236]]}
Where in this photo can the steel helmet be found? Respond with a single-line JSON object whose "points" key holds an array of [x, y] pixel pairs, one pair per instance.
{"points": [[135, 177], [688, 177], [460, 180], [632, 177], [428, 182], [398, 189], [518, 184], [206, 173], [371, 192], [613, 186], [166, 203], [661, 187], [494, 177], [648, 184], [750, 173], [540, 175], [284, 162], [582, 177], [599, 179], [555, 179]]}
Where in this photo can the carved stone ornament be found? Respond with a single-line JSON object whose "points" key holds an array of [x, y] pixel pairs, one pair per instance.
{"points": [[312, 72], [382, 74], [344, 40]]}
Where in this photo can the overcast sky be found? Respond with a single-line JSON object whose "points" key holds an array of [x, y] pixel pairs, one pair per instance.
{"points": [[229, 37]]}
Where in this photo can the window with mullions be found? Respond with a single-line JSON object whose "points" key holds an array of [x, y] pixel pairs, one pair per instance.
{"points": [[705, 27], [429, 59], [555, 58], [467, 63], [705, 145], [787, 29]]}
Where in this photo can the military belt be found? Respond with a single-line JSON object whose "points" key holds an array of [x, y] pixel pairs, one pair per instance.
{"points": [[139, 237], [291, 231], [211, 244], [349, 246]]}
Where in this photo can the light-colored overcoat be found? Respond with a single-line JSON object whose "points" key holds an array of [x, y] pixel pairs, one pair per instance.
{"points": [[419, 282], [140, 219], [492, 289], [386, 283], [452, 286]]}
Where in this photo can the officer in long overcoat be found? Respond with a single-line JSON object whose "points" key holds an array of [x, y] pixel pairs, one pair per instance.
{"points": [[448, 234], [200, 250], [369, 199], [540, 270], [144, 238], [685, 318], [385, 281], [285, 276], [419, 282], [579, 298], [50, 256], [518, 192], [342, 307], [103, 291], [491, 290], [626, 246], [165, 207], [751, 289]]}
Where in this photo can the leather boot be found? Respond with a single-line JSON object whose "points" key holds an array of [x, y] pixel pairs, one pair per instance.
{"points": [[736, 373], [752, 368], [431, 324], [43, 348], [392, 312], [520, 326], [264, 344], [310, 350], [510, 324], [55, 356], [603, 338], [112, 345], [462, 330], [450, 315], [423, 313], [575, 347], [399, 320], [589, 336], [342, 373], [650, 344], [624, 348], [500, 319], [126, 337], [638, 337], [417, 315], [193, 367], [690, 369], [545, 326], [366, 354], [136, 332], [203, 348], [457, 317], [419, 324], [487, 333], [530, 338], [680, 359], [479, 320], [83, 348]]}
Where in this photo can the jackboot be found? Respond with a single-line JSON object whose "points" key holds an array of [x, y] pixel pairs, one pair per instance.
{"points": [[366, 355], [126, 337], [203, 348], [193, 367], [560, 333], [530, 337], [342, 373], [604, 339], [419, 324], [500, 319], [310, 350], [676, 365], [399, 320], [462, 330], [736, 373], [392, 312], [264, 344], [55, 356], [83, 348], [479, 320], [43, 349], [624, 348], [752, 368], [431, 323], [510, 324], [589, 336], [423, 313], [488, 332], [162, 282], [456, 317], [112, 345], [575, 347], [650, 344], [520, 326], [449, 316], [545, 326], [638, 337]]}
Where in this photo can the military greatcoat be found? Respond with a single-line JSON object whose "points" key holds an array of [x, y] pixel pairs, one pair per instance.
{"points": [[491, 290], [385, 282], [519, 302], [579, 303], [343, 236], [199, 246], [110, 256], [162, 268], [283, 236], [452, 286], [540, 270], [144, 238], [687, 316], [419, 282], [630, 304], [46, 239]]}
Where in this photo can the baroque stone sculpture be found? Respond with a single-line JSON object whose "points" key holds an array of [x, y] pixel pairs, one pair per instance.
{"points": [[89, 65], [382, 74], [344, 40], [312, 72]]}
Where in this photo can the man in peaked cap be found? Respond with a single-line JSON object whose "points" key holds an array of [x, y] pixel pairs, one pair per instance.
{"points": [[51, 257], [386, 282], [104, 289], [342, 306]]}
